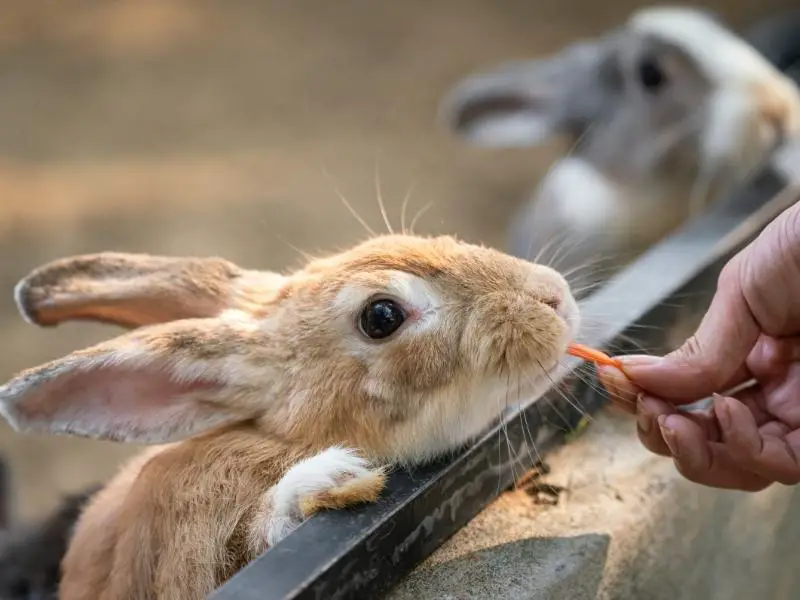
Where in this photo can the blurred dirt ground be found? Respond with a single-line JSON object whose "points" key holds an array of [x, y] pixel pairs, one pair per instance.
{"points": [[200, 127]]}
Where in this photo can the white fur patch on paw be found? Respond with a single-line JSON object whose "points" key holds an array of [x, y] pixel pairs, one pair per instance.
{"points": [[311, 477]]}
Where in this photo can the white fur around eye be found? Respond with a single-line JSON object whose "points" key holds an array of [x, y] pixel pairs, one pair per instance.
{"points": [[418, 294], [414, 292]]}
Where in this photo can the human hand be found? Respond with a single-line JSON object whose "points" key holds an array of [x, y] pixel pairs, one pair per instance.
{"points": [[750, 439]]}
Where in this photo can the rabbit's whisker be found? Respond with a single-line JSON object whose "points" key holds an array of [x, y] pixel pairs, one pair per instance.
{"points": [[379, 197], [590, 382], [419, 214], [572, 246], [512, 457], [555, 239], [302, 253], [404, 206], [347, 205], [565, 247], [499, 445], [591, 269], [527, 434], [570, 399], [580, 139], [549, 173]]}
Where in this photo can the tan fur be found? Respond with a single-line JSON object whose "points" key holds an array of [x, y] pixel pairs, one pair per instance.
{"points": [[245, 395], [778, 105], [134, 290], [348, 493]]}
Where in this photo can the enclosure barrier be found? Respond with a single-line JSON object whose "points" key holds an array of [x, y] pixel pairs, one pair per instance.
{"points": [[362, 552]]}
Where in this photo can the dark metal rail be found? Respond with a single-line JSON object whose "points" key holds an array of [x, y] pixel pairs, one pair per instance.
{"points": [[362, 553]]}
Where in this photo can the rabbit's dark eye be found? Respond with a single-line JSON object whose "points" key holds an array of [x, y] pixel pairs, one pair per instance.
{"points": [[381, 318], [650, 74]]}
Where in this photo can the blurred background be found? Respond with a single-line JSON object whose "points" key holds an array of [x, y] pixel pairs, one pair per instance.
{"points": [[199, 127]]}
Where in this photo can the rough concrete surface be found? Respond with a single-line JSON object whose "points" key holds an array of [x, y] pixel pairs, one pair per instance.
{"points": [[627, 527]]}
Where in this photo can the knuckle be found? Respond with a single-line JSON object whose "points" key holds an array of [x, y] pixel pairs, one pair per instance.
{"points": [[743, 442], [755, 485], [691, 473], [787, 475], [730, 276], [788, 478], [698, 362]]}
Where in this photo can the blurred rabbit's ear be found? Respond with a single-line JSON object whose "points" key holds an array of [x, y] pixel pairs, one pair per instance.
{"points": [[132, 290], [156, 384], [525, 103]]}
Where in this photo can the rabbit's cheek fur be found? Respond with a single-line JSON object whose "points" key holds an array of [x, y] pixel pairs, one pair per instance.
{"points": [[419, 362], [456, 414]]}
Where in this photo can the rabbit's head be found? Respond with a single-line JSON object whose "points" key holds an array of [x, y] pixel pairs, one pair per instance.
{"points": [[402, 346], [670, 94]]}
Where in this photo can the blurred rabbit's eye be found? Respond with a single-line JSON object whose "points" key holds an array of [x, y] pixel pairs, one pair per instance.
{"points": [[650, 74], [381, 318]]}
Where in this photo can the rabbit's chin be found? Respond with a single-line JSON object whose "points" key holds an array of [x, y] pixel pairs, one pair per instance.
{"points": [[458, 415]]}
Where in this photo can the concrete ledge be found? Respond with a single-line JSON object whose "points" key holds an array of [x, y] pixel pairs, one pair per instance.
{"points": [[627, 527]]}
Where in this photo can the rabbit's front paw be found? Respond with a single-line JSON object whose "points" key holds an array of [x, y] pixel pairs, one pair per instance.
{"points": [[335, 478]]}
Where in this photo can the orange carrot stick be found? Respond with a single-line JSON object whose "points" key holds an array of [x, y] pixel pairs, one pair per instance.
{"points": [[595, 356]]}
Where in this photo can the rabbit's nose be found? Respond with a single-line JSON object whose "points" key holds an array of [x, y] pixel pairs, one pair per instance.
{"points": [[779, 108]]}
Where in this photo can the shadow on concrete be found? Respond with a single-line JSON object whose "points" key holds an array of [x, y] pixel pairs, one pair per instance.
{"points": [[569, 567]]}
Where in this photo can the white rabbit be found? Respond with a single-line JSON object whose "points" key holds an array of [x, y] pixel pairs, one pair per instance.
{"points": [[666, 113]]}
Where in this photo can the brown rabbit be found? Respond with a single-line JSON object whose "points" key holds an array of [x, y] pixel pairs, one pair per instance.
{"points": [[273, 396]]}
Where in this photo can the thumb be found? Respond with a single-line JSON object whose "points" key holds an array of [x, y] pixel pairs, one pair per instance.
{"points": [[713, 359]]}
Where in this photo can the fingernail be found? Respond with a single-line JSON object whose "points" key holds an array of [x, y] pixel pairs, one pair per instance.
{"points": [[608, 378], [669, 434], [613, 381], [721, 411], [638, 360], [644, 419]]}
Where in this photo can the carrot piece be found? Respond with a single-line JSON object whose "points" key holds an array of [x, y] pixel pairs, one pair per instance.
{"points": [[595, 356]]}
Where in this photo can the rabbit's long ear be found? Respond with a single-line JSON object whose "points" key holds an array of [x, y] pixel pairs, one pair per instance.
{"points": [[132, 290], [155, 384], [525, 103]]}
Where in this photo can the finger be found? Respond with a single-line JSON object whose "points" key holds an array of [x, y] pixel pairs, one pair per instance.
{"points": [[776, 362], [650, 410], [763, 452], [713, 358], [754, 400], [775, 429], [770, 357], [621, 391], [704, 462]]}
